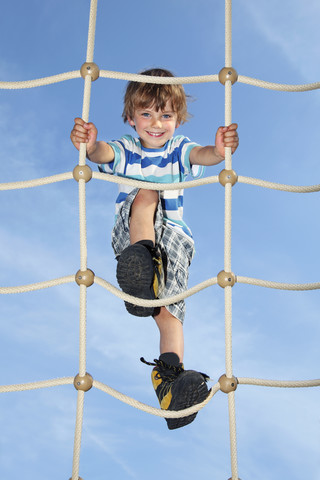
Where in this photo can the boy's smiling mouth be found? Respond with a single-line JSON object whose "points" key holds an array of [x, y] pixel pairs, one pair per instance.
{"points": [[155, 134]]}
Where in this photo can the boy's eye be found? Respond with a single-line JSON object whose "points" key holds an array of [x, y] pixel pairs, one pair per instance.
{"points": [[145, 114], [166, 115]]}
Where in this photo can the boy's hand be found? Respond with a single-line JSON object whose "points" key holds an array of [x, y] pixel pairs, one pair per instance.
{"points": [[227, 137], [84, 133]]}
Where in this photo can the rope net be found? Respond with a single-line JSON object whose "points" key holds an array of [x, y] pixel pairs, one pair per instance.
{"points": [[82, 385]]}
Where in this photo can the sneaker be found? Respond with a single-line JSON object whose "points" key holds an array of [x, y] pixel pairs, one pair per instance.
{"points": [[177, 388], [140, 274]]}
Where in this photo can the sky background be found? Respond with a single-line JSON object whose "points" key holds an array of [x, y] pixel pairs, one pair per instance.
{"points": [[275, 237]]}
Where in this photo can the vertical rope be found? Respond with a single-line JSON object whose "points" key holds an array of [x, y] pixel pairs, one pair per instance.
{"points": [[228, 33], [82, 225], [233, 435], [91, 30], [77, 436], [227, 242], [83, 331], [85, 115], [83, 246], [227, 226], [228, 330]]}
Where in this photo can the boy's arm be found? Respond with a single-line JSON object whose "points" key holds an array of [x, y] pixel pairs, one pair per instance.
{"points": [[101, 153], [98, 152], [212, 155]]}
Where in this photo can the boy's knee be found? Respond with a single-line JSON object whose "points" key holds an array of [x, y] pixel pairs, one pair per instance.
{"points": [[146, 198]]}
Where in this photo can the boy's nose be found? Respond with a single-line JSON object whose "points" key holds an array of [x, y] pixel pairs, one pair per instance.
{"points": [[156, 123]]}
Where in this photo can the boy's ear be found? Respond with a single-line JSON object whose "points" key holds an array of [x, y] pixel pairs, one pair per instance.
{"points": [[130, 121]]}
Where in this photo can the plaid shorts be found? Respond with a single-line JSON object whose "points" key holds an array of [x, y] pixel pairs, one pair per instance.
{"points": [[177, 252]]}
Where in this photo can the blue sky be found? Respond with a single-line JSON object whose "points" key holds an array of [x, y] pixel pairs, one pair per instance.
{"points": [[275, 237]]}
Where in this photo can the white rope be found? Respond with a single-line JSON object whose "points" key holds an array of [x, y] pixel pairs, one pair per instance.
{"points": [[135, 77], [158, 186], [279, 186], [228, 33], [233, 434], [283, 87], [82, 330], [39, 82], [155, 186], [279, 383], [77, 436], [83, 245], [19, 387], [39, 182], [227, 243], [278, 285], [37, 286], [152, 410], [91, 30], [83, 225], [154, 303]]}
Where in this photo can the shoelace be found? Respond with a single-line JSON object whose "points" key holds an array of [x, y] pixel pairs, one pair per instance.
{"points": [[175, 370], [169, 372]]}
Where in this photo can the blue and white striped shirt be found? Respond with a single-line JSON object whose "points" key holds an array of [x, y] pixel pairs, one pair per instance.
{"points": [[169, 164]]}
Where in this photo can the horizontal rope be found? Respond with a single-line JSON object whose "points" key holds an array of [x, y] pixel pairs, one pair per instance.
{"points": [[36, 385], [157, 186], [278, 285], [36, 182], [38, 286], [155, 303], [136, 77], [154, 186], [278, 186], [40, 82], [279, 383], [283, 87], [152, 410], [161, 302]]}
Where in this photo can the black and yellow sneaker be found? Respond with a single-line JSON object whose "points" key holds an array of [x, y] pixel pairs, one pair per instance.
{"points": [[140, 273], [177, 388]]}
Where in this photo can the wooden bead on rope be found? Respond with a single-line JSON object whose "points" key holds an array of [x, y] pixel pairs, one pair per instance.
{"points": [[83, 383], [228, 176], [85, 277], [226, 279], [228, 73], [228, 384], [90, 68], [82, 172]]}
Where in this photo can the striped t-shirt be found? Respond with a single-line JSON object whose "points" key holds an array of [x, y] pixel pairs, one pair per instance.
{"points": [[169, 164]]}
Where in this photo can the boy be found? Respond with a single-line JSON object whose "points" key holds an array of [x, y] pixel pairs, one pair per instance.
{"points": [[152, 243]]}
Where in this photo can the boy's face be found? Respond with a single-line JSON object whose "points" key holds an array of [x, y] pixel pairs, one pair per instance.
{"points": [[154, 128]]}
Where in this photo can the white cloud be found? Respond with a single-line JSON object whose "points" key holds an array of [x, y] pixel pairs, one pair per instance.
{"points": [[111, 445]]}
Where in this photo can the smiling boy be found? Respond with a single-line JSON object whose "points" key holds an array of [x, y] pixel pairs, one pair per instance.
{"points": [[153, 245]]}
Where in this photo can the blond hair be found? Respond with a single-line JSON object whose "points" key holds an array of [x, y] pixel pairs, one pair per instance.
{"points": [[145, 95]]}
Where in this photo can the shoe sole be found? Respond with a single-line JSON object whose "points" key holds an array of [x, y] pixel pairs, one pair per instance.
{"points": [[135, 273], [195, 391]]}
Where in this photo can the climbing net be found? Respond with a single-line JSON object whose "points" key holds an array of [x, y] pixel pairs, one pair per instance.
{"points": [[226, 279]]}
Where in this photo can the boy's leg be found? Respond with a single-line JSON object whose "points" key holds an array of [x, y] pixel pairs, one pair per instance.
{"points": [[142, 216], [139, 269], [175, 387], [171, 333]]}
